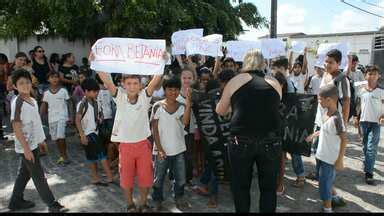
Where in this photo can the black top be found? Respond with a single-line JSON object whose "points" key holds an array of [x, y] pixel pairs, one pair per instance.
{"points": [[255, 108], [41, 71], [69, 73]]}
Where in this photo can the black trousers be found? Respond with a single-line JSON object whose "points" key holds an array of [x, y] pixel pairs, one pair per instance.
{"points": [[243, 153], [28, 170], [189, 142]]}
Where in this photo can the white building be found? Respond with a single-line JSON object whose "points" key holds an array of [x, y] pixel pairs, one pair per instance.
{"points": [[53, 45]]}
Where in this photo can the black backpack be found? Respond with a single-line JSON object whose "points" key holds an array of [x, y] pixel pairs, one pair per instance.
{"points": [[353, 104]]}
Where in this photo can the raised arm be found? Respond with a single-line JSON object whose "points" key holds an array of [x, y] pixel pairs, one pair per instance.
{"points": [[305, 63], [290, 58], [187, 111], [105, 77], [216, 69]]}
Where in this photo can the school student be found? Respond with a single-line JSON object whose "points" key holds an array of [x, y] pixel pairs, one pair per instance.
{"points": [[169, 118], [314, 83], [372, 115], [131, 130], [331, 148], [299, 73], [87, 123], [26, 124], [58, 102]]}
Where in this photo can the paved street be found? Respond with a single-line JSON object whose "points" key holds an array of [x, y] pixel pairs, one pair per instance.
{"points": [[71, 186]]}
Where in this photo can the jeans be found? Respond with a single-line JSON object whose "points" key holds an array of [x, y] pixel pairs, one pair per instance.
{"points": [[327, 174], [297, 164], [209, 178], [243, 153], [28, 170], [371, 139], [176, 164]]}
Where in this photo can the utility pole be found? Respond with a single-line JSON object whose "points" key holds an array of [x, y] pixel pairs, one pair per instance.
{"points": [[273, 27]]}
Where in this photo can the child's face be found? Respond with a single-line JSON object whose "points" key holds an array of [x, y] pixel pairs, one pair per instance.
{"points": [[331, 66], [276, 70], [53, 80], [319, 71], [20, 62], [81, 78], [23, 86], [297, 69], [186, 79], [204, 79], [172, 93], [230, 66], [132, 86], [372, 76], [91, 94], [325, 102]]}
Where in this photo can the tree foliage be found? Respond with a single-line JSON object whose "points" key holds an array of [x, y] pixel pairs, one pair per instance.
{"points": [[92, 19]]}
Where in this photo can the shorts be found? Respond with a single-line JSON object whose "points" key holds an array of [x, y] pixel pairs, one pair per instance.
{"points": [[135, 159], [94, 151], [57, 130]]}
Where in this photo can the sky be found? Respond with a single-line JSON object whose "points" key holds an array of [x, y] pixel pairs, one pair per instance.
{"points": [[318, 17]]}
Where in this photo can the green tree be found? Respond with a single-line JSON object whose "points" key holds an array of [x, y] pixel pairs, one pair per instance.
{"points": [[92, 19]]}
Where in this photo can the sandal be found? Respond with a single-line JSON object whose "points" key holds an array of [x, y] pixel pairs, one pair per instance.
{"points": [[311, 176], [131, 208], [145, 209], [280, 193], [212, 203], [299, 183]]}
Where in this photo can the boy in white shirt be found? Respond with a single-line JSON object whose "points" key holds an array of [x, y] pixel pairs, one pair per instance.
{"points": [[131, 130], [87, 123], [29, 134], [314, 84], [372, 115], [169, 118], [58, 102], [331, 147]]}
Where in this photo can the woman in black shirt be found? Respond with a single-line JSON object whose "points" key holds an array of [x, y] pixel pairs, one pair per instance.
{"points": [[69, 72], [254, 99], [41, 68]]}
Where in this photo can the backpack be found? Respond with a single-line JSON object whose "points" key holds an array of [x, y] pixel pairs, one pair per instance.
{"points": [[353, 103]]}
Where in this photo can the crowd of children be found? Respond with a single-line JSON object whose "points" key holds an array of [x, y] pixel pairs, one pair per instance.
{"points": [[149, 129]]}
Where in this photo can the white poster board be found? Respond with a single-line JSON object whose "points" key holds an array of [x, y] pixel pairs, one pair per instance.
{"points": [[209, 46], [342, 47], [298, 47], [272, 48], [238, 49], [129, 56], [180, 39]]}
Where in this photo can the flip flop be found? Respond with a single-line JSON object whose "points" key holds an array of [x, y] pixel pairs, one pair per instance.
{"points": [[100, 184]]}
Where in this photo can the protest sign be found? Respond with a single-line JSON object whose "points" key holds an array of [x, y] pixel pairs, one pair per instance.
{"points": [[298, 47], [272, 48], [214, 129], [342, 47], [180, 39], [208, 46], [129, 56], [298, 112], [238, 49]]}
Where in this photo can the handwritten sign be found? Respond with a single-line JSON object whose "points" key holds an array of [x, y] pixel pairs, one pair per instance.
{"points": [[342, 47], [272, 48], [298, 46], [181, 38], [208, 46], [238, 49], [298, 112], [129, 56], [214, 129]]}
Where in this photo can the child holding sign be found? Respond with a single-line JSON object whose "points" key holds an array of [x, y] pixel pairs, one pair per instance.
{"points": [[331, 147], [131, 130]]}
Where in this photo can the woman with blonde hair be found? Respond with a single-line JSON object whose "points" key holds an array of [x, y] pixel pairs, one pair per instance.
{"points": [[254, 100]]}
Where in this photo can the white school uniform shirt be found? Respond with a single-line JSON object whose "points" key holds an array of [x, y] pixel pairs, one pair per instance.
{"points": [[104, 100], [192, 123], [131, 121], [88, 122], [57, 105], [329, 140], [372, 107], [171, 129], [344, 90], [314, 85], [28, 114], [298, 82]]}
